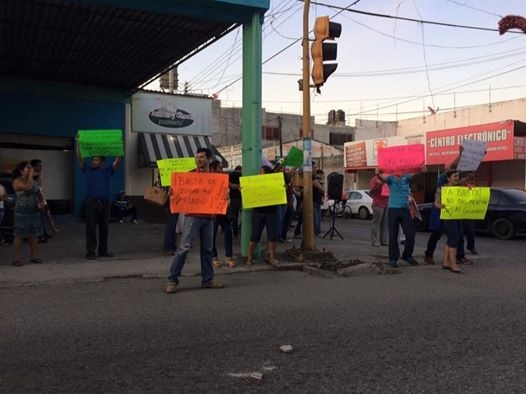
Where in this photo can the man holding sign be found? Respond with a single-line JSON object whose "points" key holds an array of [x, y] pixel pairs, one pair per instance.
{"points": [[97, 203], [196, 225]]}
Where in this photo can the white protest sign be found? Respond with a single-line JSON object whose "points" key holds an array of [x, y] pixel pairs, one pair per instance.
{"points": [[472, 154]]}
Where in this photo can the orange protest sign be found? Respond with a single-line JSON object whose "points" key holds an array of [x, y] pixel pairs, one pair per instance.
{"points": [[199, 193]]}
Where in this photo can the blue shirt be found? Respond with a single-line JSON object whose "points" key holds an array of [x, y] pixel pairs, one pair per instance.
{"points": [[98, 181], [399, 189]]}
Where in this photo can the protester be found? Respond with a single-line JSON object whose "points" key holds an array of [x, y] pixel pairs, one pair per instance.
{"points": [[318, 194], [288, 173], [398, 214], [468, 226], [222, 221], [27, 214], [235, 198], [436, 225], [97, 202], [264, 217], [452, 228], [196, 225], [124, 208], [379, 223], [46, 212], [298, 194]]}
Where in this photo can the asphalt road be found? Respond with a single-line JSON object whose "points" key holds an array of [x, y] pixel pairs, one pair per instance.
{"points": [[423, 331]]}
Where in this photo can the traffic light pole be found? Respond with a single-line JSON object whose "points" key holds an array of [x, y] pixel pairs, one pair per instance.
{"points": [[308, 219]]}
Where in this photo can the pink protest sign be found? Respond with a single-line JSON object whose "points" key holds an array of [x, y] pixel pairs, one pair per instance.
{"points": [[401, 159]]}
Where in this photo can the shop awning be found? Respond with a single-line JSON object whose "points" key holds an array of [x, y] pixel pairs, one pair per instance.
{"points": [[153, 147]]}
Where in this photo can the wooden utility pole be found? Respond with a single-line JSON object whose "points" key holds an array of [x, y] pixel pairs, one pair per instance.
{"points": [[308, 222]]}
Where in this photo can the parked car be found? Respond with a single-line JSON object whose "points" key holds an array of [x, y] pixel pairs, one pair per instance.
{"points": [[505, 217], [358, 203], [6, 227]]}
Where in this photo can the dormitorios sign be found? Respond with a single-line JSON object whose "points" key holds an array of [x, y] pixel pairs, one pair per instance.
{"points": [[170, 114], [442, 146]]}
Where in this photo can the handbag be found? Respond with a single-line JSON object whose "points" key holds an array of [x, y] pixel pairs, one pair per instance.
{"points": [[156, 195]]}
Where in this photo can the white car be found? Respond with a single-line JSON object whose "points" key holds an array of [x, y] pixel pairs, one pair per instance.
{"points": [[359, 203]]}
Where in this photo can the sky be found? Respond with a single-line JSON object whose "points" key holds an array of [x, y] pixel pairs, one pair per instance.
{"points": [[388, 68]]}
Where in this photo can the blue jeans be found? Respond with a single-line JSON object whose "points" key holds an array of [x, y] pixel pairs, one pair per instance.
{"points": [[169, 230], [202, 227], [226, 225], [400, 217]]}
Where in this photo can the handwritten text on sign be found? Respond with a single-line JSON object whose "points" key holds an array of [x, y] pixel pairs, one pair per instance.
{"points": [[262, 190], [199, 193], [100, 143], [167, 166], [464, 202], [472, 154], [401, 159]]}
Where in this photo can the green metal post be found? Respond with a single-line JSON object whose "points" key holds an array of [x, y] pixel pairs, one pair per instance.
{"points": [[251, 113]]}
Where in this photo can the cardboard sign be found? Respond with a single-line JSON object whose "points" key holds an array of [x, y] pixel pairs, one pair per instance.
{"points": [[167, 166], [100, 143], [263, 190], [472, 154], [464, 202], [294, 158], [199, 193], [402, 159]]}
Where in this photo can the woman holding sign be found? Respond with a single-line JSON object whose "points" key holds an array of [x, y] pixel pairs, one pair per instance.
{"points": [[264, 217], [452, 228]]}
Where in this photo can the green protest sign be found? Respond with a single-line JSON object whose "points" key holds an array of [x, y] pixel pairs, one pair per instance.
{"points": [[294, 158], [100, 143]]}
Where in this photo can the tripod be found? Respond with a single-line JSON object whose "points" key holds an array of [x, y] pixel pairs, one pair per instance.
{"points": [[333, 229]]}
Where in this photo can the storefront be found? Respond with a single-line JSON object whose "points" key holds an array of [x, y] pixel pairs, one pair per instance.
{"points": [[503, 165]]}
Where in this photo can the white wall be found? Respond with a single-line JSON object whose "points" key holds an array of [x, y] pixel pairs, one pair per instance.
{"points": [[57, 169]]}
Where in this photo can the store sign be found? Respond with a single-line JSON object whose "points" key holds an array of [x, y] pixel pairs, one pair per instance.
{"points": [[442, 146], [171, 114]]}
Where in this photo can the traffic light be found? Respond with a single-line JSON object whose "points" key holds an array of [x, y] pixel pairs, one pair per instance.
{"points": [[324, 53]]}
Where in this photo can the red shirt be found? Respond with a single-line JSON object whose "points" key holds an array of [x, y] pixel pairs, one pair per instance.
{"points": [[375, 189]]}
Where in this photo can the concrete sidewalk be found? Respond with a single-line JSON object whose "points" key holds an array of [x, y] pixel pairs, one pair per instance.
{"points": [[138, 253]]}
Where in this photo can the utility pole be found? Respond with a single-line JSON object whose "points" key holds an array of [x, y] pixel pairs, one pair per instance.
{"points": [[308, 219]]}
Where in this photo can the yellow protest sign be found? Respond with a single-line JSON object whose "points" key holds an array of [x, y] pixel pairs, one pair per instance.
{"points": [[100, 143], [464, 203], [262, 190], [167, 166]]}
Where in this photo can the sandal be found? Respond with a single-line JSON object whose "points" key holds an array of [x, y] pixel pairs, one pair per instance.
{"points": [[36, 261], [18, 263], [216, 263], [272, 262], [249, 264]]}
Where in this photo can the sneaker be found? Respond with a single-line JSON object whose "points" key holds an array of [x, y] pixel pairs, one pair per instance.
{"points": [[376, 244], [135, 221], [229, 262], [91, 256], [393, 264], [429, 260], [212, 285], [411, 260], [473, 251], [171, 287], [121, 221], [107, 254], [216, 263]]}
